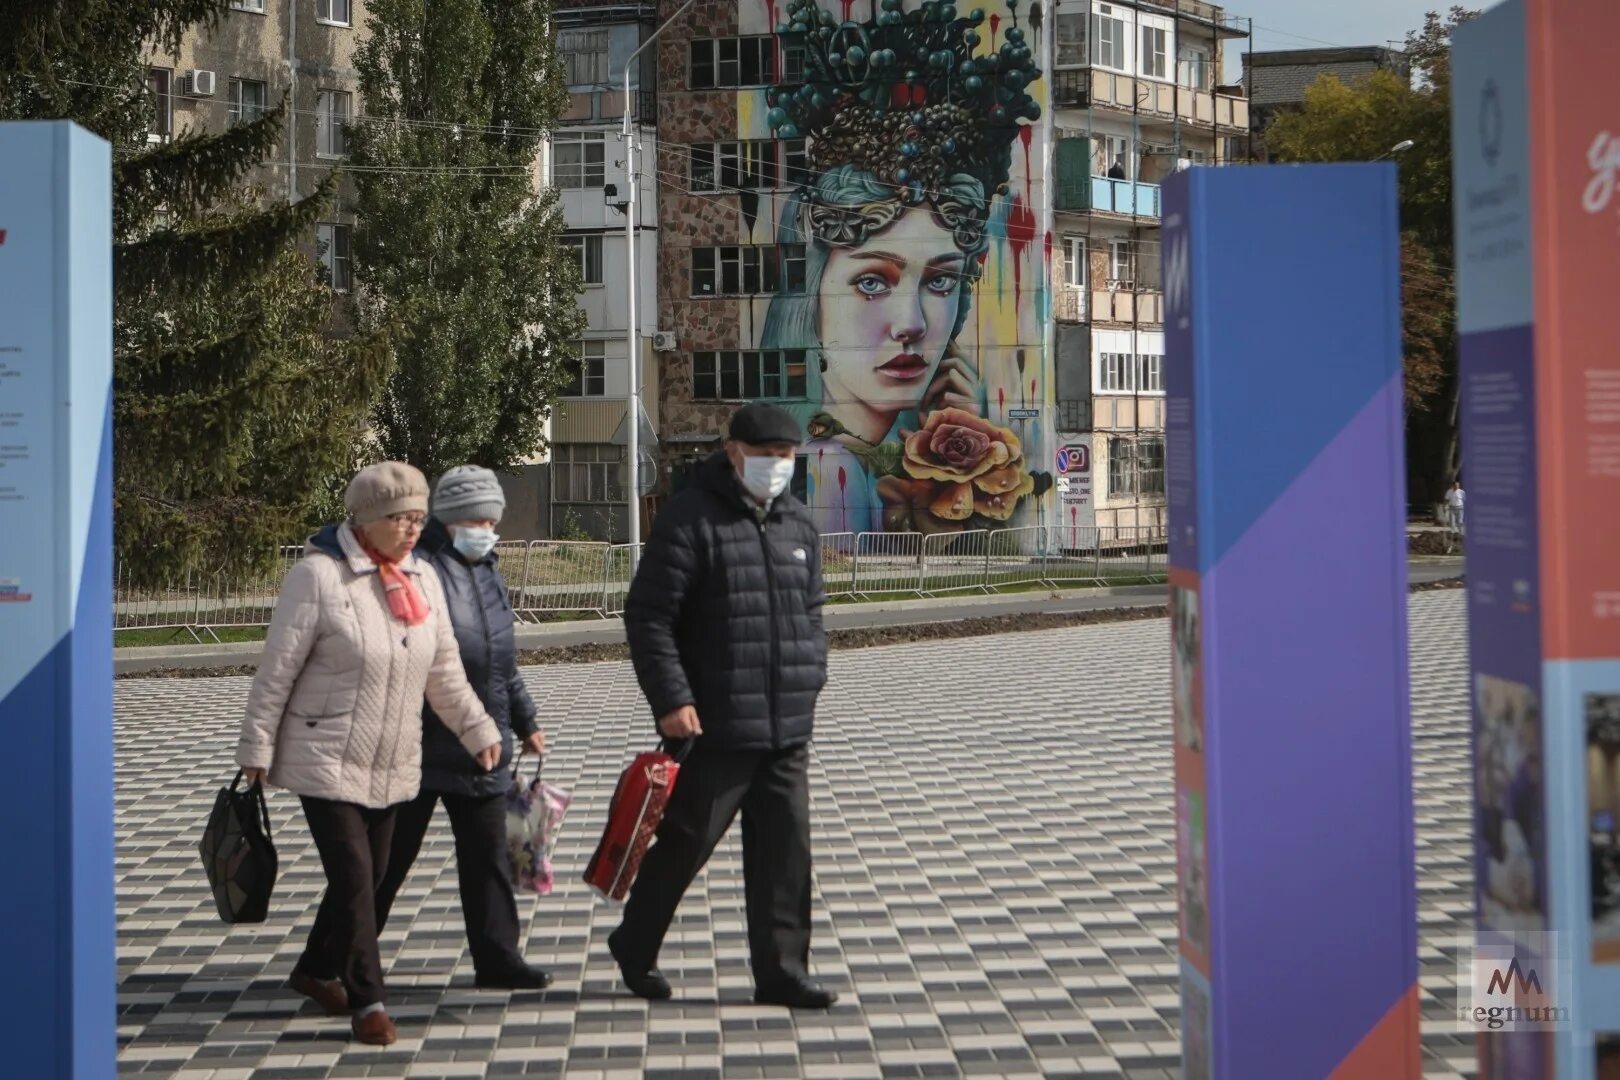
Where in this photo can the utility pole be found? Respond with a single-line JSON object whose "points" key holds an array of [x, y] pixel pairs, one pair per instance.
{"points": [[632, 416]]}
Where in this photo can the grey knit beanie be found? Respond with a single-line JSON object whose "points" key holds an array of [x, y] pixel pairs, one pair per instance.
{"points": [[468, 493]]}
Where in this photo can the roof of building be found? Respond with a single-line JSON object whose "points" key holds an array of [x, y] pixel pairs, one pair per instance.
{"points": [[1281, 78]]}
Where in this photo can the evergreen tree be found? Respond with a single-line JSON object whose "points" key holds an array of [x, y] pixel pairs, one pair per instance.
{"points": [[235, 405], [455, 238]]}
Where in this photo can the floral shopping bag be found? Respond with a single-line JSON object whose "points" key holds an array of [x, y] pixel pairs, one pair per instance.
{"points": [[534, 814]]}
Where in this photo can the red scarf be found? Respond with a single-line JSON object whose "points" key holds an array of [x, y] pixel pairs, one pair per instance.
{"points": [[405, 600]]}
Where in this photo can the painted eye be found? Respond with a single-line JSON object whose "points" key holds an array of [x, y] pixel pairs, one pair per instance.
{"points": [[871, 285], [942, 284]]}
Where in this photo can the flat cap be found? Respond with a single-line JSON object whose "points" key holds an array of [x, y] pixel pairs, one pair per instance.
{"points": [[760, 422]]}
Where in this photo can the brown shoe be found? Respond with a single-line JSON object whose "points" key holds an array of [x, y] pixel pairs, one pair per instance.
{"points": [[330, 996], [375, 1029]]}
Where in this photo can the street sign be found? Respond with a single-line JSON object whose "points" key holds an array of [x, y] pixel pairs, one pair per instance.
{"points": [[1024, 414]]}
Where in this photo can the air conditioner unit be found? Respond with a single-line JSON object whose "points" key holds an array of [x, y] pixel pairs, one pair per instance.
{"points": [[663, 341], [198, 84]]}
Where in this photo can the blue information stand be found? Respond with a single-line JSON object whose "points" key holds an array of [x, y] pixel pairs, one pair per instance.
{"points": [[57, 938]]}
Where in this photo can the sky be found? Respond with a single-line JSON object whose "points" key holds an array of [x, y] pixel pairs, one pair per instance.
{"points": [[1311, 24]]}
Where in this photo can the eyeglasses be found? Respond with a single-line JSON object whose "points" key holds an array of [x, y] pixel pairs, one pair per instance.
{"points": [[408, 521]]}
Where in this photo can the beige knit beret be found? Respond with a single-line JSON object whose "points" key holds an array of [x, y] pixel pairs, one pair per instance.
{"points": [[388, 487]]}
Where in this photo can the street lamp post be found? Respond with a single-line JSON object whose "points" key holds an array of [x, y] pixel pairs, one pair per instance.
{"points": [[633, 395], [1399, 148]]}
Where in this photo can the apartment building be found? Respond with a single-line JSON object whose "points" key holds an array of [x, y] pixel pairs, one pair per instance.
{"points": [[260, 53], [1278, 80], [588, 493], [1137, 94]]}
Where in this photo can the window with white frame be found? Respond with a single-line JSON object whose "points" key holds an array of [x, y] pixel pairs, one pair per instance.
{"points": [[1109, 47], [332, 248], [1155, 52], [1194, 69], [332, 123], [590, 377], [585, 56], [1071, 39], [334, 12], [160, 85], [1077, 269], [729, 63], [586, 473], [747, 375], [1112, 150], [247, 100], [588, 250], [248, 5], [1121, 264], [578, 160], [1150, 373], [1113, 373]]}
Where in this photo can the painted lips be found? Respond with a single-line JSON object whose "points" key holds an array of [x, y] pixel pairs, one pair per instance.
{"points": [[905, 366]]}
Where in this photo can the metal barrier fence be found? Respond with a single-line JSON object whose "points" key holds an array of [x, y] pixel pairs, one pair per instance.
{"points": [[549, 579]]}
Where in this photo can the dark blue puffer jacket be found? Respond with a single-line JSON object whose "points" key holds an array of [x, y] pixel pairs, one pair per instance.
{"points": [[484, 624]]}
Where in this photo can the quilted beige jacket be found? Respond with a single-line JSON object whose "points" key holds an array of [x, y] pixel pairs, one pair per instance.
{"points": [[335, 711]]}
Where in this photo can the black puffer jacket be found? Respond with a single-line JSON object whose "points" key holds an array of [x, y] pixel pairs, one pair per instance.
{"points": [[483, 621], [724, 614]]}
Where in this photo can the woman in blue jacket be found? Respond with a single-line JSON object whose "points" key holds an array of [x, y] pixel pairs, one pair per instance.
{"points": [[458, 543]]}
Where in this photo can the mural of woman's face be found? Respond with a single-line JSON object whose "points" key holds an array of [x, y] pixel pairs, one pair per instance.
{"points": [[887, 311]]}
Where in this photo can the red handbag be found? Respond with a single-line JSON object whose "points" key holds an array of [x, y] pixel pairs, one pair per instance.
{"points": [[633, 816]]}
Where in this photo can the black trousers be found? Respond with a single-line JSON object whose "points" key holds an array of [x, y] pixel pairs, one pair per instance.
{"points": [[488, 904], [354, 843], [772, 791]]}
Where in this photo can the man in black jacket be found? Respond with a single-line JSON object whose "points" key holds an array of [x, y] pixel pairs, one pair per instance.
{"points": [[459, 543], [725, 631]]}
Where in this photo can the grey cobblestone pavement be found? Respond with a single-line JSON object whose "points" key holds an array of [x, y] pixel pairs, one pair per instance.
{"points": [[995, 885]]}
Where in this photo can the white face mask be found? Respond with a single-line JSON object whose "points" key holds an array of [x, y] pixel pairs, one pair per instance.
{"points": [[474, 541], [767, 477]]}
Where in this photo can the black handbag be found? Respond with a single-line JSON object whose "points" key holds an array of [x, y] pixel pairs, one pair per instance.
{"points": [[237, 854]]}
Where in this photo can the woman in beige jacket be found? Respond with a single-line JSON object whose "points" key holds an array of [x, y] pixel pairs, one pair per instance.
{"points": [[360, 634]]}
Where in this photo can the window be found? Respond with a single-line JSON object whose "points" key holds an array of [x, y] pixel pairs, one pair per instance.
{"points": [[1113, 373], [1150, 466], [1155, 53], [1121, 467], [1112, 150], [1108, 41], [334, 12], [588, 250], [586, 473], [796, 162], [756, 165], [585, 56], [247, 101], [1071, 40], [728, 63], [1077, 262], [332, 248], [248, 5], [332, 124], [792, 64], [744, 376], [159, 82], [1150, 373], [591, 378], [1121, 264], [747, 271], [1194, 68], [578, 160]]}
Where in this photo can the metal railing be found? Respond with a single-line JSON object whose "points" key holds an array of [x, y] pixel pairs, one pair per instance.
{"points": [[551, 579]]}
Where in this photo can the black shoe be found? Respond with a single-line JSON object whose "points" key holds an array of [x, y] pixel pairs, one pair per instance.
{"points": [[797, 995], [644, 984], [527, 977]]}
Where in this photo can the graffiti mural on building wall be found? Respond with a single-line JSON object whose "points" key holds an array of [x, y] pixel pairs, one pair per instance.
{"points": [[919, 308]]}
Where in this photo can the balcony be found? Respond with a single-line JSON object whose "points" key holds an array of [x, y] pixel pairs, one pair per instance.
{"points": [[1101, 195], [1117, 304], [597, 105], [1223, 108]]}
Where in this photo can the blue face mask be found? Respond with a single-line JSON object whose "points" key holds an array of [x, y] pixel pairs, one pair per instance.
{"points": [[474, 542]]}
